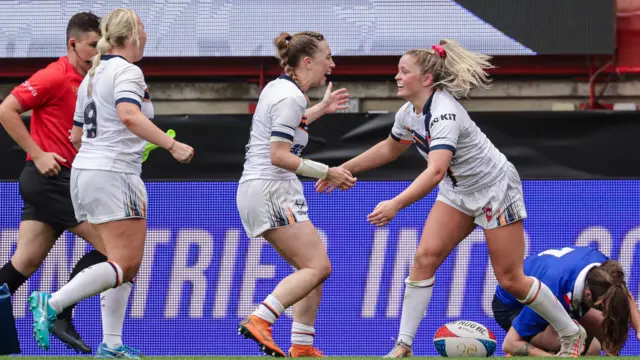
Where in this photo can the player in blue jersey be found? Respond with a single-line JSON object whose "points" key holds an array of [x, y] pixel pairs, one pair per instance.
{"points": [[592, 289]]}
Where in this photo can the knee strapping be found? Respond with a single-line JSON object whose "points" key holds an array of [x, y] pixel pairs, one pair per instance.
{"points": [[533, 292], [119, 272]]}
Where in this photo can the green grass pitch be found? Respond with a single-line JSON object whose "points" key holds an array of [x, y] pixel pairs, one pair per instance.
{"points": [[254, 357]]}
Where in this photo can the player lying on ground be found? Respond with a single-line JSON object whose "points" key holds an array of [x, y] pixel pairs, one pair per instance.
{"points": [[477, 186], [591, 288]]}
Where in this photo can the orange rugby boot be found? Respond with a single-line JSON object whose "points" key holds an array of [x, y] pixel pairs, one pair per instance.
{"points": [[259, 330], [297, 351]]}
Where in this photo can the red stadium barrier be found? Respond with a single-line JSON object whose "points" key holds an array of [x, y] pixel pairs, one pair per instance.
{"points": [[628, 33]]}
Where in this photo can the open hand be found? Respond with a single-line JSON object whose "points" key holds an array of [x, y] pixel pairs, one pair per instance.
{"points": [[383, 213], [336, 100]]}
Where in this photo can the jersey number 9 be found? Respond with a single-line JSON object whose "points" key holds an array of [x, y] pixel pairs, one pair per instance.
{"points": [[90, 116]]}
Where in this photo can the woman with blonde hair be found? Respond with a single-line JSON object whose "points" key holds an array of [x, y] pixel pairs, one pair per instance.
{"points": [[270, 197], [113, 109], [477, 186]]}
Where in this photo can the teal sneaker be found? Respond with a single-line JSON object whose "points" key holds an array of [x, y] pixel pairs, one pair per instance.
{"points": [[122, 352], [44, 317]]}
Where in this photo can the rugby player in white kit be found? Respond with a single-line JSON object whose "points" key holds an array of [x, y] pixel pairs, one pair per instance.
{"points": [[477, 186], [270, 197], [114, 109]]}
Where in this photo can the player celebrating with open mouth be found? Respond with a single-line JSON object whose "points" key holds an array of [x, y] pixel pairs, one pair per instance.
{"points": [[270, 197], [477, 186]]}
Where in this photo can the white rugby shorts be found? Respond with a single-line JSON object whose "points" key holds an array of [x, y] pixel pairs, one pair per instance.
{"points": [[101, 196], [497, 205], [270, 204]]}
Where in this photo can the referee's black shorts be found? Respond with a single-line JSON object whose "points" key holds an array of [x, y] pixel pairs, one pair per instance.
{"points": [[47, 198]]}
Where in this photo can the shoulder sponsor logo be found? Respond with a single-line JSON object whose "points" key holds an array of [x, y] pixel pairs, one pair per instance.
{"points": [[28, 85], [443, 117]]}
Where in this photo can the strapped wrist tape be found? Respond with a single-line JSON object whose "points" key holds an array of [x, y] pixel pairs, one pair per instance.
{"points": [[310, 168]]}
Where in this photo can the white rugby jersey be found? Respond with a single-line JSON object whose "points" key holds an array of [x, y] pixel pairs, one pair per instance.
{"points": [[279, 116], [476, 162], [107, 144]]}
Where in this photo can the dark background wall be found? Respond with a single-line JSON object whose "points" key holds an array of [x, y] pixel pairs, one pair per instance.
{"points": [[542, 145]]}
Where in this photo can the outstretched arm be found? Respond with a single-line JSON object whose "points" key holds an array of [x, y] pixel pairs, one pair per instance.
{"points": [[425, 182], [332, 102], [380, 154]]}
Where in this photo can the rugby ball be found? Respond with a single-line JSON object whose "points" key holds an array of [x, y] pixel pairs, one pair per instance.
{"points": [[464, 339]]}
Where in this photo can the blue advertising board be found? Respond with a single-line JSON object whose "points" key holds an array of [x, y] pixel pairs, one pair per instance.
{"points": [[201, 274]]}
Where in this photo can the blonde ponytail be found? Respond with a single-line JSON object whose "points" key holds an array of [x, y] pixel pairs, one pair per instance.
{"points": [[118, 27], [454, 68], [103, 47]]}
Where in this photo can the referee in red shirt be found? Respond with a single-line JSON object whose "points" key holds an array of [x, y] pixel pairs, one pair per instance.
{"points": [[51, 94]]}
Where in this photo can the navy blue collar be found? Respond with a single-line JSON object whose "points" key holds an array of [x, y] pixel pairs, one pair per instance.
{"points": [[109, 56], [427, 106], [287, 77]]}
